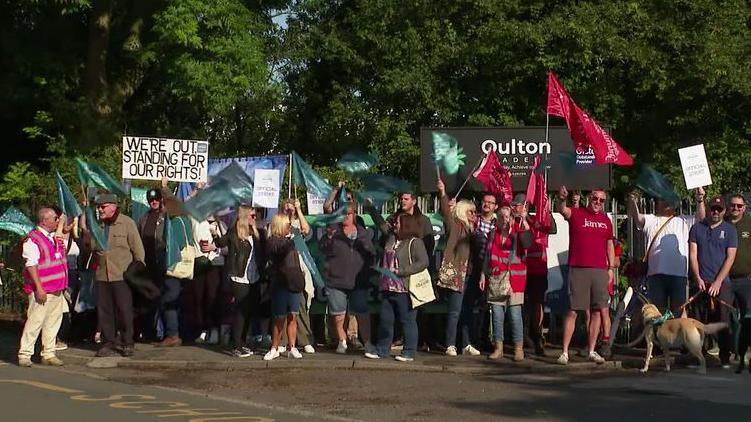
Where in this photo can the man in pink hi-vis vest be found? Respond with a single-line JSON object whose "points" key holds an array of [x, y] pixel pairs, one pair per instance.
{"points": [[45, 278]]}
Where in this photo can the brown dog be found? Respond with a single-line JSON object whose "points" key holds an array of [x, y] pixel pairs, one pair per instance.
{"points": [[675, 333]]}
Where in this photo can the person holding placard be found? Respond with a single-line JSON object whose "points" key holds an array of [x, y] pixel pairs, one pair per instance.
{"points": [[666, 237]]}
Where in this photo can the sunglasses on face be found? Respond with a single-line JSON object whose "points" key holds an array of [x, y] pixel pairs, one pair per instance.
{"points": [[737, 205], [102, 206], [597, 200], [717, 210], [252, 215]]}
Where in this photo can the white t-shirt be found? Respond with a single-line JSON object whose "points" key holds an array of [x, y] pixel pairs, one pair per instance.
{"points": [[669, 253], [31, 252]]}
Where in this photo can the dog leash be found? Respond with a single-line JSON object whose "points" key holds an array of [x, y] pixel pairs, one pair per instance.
{"points": [[697, 294]]}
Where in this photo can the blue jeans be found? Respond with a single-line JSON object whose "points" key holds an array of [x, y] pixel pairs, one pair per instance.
{"points": [[517, 325], [397, 305], [170, 305], [461, 312], [662, 287]]}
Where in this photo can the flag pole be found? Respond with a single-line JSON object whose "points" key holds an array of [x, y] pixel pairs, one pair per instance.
{"points": [[467, 179], [289, 184]]}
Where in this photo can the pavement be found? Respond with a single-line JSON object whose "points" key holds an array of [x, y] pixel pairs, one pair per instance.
{"points": [[204, 357]]}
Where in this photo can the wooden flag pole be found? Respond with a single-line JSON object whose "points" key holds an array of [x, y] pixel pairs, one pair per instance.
{"points": [[289, 184]]}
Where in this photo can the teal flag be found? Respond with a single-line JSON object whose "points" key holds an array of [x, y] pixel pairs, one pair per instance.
{"points": [[303, 174], [138, 203], [378, 198], [13, 220], [236, 177], [97, 234], [655, 184], [90, 174], [229, 188], [385, 272], [357, 162], [447, 153], [340, 213], [384, 183], [177, 234], [65, 199], [307, 257]]}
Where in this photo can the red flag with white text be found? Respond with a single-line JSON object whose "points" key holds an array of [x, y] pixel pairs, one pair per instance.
{"points": [[494, 177]]}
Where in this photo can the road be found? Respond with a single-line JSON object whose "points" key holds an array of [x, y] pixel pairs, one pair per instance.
{"points": [[50, 394]]}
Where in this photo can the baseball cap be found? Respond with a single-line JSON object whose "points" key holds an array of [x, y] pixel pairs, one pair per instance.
{"points": [[519, 198], [152, 194], [717, 202]]}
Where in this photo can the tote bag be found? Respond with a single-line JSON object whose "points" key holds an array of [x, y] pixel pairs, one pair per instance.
{"points": [[419, 285]]}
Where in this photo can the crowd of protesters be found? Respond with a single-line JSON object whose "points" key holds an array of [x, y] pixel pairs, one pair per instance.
{"points": [[251, 274]]}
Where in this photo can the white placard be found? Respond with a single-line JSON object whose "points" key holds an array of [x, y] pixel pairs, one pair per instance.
{"points": [[315, 204], [266, 188], [178, 160], [695, 166]]}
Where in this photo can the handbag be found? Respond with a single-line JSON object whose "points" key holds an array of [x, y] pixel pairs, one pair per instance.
{"points": [[638, 268], [447, 275], [499, 283], [419, 285], [184, 268]]}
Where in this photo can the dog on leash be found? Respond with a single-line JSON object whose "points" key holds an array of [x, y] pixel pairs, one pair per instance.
{"points": [[674, 333]]}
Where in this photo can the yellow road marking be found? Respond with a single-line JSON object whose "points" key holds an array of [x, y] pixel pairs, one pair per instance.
{"points": [[43, 386]]}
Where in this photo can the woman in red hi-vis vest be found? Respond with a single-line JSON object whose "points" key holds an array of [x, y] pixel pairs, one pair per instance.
{"points": [[507, 248]]}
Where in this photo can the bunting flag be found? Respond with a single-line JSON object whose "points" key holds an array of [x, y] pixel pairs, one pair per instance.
{"points": [[447, 153], [583, 129], [14, 221], [537, 192], [655, 184], [65, 199], [97, 234], [494, 177], [303, 174], [357, 162], [90, 174], [307, 258]]}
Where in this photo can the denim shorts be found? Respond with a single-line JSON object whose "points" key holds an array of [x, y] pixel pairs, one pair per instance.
{"points": [[338, 300], [284, 302]]}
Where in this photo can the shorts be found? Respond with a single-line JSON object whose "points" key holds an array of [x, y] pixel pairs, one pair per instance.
{"points": [[284, 302], [588, 288], [534, 291], [338, 299]]}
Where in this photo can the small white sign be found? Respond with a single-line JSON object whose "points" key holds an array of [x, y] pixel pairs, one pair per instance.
{"points": [[695, 166], [266, 188], [315, 204], [177, 160]]}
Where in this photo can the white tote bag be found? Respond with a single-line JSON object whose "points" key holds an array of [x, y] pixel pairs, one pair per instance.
{"points": [[184, 268], [420, 285]]}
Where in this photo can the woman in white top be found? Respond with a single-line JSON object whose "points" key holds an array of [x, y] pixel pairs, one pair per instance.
{"points": [[207, 278]]}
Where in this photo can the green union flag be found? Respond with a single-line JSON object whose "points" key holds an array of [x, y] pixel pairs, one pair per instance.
{"points": [[305, 175], [96, 230], [16, 222], [65, 199], [90, 174]]}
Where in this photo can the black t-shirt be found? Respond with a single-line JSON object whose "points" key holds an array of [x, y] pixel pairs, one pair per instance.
{"points": [[149, 233], [742, 264]]}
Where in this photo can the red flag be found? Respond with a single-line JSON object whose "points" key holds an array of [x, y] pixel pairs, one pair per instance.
{"points": [[585, 131], [532, 183], [558, 98], [494, 177]]}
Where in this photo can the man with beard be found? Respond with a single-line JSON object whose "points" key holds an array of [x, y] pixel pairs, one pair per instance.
{"points": [[712, 246]]}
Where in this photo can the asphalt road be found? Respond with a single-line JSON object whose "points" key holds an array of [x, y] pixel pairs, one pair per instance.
{"points": [[50, 394]]}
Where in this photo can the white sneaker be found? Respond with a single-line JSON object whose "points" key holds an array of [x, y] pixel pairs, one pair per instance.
{"points": [[309, 349], [294, 353], [201, 338], [451, 351], [341, 348], [470, 350], [271, 355], [402, 358], [214, 336], [596, 358], [563, 359], [281, 349], [372, 355], [369, 348]]}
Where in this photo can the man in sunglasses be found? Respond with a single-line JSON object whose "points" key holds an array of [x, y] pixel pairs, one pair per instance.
{"points": [[114, 298], [666, 237], [740, 272], [712, 246], [591, 259]]}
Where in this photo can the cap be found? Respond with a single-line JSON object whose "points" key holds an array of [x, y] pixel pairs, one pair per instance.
{"points": [[153, 194], [717, 202], [519, 198], [106, 198]]}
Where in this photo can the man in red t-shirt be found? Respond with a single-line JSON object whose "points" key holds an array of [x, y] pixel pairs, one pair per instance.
{"points": [[591, 259]]}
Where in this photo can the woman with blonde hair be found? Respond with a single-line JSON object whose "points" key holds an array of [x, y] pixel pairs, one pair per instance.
{"points": [[287, 282], [459, 221], [245, 264]]}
